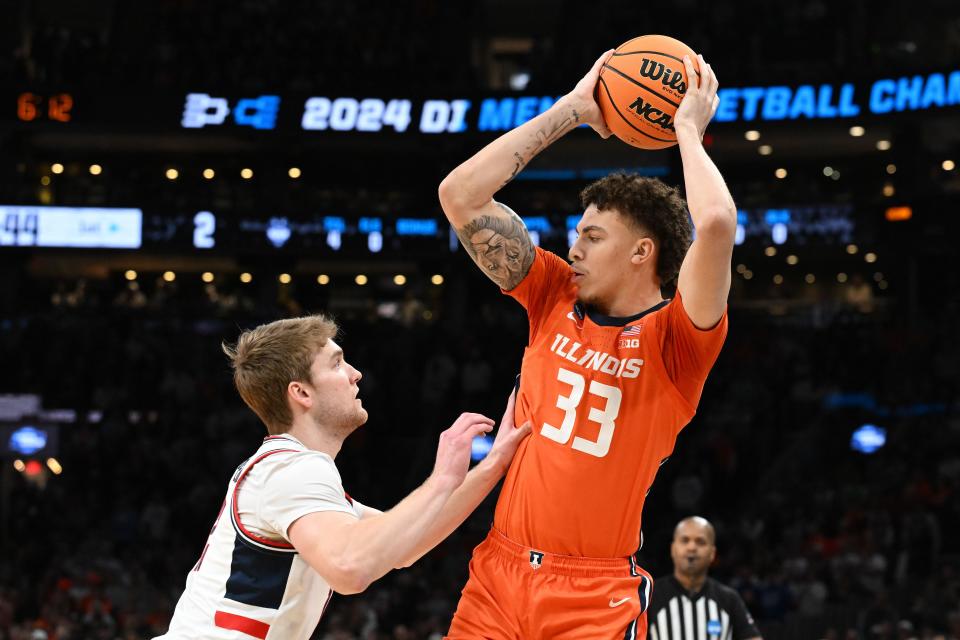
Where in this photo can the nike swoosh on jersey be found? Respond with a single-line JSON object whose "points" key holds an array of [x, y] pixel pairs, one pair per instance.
{"points": [[618, 602]]}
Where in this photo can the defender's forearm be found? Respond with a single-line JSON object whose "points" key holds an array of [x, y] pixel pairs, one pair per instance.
{"points": [[477, 485]]}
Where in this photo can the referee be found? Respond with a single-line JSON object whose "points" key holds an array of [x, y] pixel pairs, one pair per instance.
{"points": [[690, 606]]}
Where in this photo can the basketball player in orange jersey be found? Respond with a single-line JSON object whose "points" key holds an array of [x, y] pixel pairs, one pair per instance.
{"points": [[612, 373]]}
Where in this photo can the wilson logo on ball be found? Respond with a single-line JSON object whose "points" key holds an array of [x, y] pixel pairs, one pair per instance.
{"points": [[658, 71], [651, 114], [641, 87]]}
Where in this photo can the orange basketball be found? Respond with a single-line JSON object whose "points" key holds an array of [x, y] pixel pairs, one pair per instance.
{"points": [[641, 87]]}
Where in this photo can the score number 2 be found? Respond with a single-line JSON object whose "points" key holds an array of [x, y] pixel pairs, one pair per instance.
{"points": [[604, 417]]}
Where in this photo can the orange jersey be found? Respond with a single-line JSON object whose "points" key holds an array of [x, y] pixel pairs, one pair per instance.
{"points": [[607, 398]]}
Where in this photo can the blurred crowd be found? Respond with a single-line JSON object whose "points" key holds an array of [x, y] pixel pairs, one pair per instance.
{"points": [[820, 540], [304, 45]]}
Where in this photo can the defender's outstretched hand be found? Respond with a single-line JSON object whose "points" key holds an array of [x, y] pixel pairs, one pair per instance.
{"points": [[508, 436], [453, 451]]}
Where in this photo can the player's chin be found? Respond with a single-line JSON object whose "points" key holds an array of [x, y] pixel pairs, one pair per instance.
{"points": [[584, 296], [362, 415]]}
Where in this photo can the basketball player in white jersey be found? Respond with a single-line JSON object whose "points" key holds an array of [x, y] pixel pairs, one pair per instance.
{"points": [[288, 535]]}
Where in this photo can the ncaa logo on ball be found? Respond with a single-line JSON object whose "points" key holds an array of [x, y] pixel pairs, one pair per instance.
{"points": [[640, 88], [652, 115]]}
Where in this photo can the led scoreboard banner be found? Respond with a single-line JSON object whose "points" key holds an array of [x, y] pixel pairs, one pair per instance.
{"points": [[70, 227], [342, 112], [360, 114], [24, 227], [291, 234], [498, 114]]}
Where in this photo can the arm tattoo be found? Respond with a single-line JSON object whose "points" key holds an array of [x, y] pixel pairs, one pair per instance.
{"points": [[516, 168], [500, 245], [552, 131]]}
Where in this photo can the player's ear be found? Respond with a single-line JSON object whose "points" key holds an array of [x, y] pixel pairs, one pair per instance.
{"points": [[300, 394], [643, 250]]}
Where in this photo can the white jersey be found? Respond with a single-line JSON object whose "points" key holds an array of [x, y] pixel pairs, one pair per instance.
{"points": [[249, 581]]}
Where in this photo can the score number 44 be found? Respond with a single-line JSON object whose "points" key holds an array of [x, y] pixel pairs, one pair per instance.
{"points": [[19, 229]]}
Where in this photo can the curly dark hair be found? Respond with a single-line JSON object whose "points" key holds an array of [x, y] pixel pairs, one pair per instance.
{"points": [[651, 206]]}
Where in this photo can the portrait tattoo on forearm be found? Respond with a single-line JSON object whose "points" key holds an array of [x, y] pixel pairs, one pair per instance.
{"points": [[500, 245]]}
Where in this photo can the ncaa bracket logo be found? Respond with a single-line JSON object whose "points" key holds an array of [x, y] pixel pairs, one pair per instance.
{"points": [[202, 109], [536, 559]]}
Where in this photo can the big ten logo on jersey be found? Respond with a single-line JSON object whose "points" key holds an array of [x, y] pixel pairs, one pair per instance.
{"points": [[202, 110], [629, 338], [573, 351]]}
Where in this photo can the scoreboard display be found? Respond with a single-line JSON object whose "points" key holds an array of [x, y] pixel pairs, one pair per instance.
{"points": [[362, 114], [343, 111], [300, 232], [70, 227]]}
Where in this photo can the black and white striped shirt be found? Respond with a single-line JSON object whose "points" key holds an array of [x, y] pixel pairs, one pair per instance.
{"points": [[716, 612]]}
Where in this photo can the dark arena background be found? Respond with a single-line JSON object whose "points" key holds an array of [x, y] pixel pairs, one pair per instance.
{"points": [[174, 171]]}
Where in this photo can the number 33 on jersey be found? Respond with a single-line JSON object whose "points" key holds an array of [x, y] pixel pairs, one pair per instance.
{"points": [[607, 398]]}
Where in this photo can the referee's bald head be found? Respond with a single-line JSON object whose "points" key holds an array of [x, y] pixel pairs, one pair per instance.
{"points": [[700, 522]]}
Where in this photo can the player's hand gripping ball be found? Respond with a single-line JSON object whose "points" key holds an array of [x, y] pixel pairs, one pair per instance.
{"points": [[640, 88]]}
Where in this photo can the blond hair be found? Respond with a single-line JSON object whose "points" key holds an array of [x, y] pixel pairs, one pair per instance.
{"points": [[268, 358]]}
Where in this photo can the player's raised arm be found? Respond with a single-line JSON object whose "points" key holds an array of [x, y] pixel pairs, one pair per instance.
{"points": [[704, 280], [491, 232]]}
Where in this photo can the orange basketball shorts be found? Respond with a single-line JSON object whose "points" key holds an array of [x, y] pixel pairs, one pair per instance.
{"points": [[518, 593]]}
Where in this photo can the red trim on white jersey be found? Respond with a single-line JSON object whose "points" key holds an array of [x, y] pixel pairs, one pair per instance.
{"points": [[242, 624], [243, 532], [219, 513]]}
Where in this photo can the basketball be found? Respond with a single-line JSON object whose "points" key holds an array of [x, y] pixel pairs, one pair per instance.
{"points": [[641, 87]]}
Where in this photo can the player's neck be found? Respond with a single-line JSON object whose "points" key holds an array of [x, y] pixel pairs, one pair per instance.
{"points": [[629, 301], [692, 584], [316, 438]]}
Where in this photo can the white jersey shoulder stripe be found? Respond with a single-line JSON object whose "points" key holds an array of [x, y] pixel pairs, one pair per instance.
{"points": [[247, 536]]}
